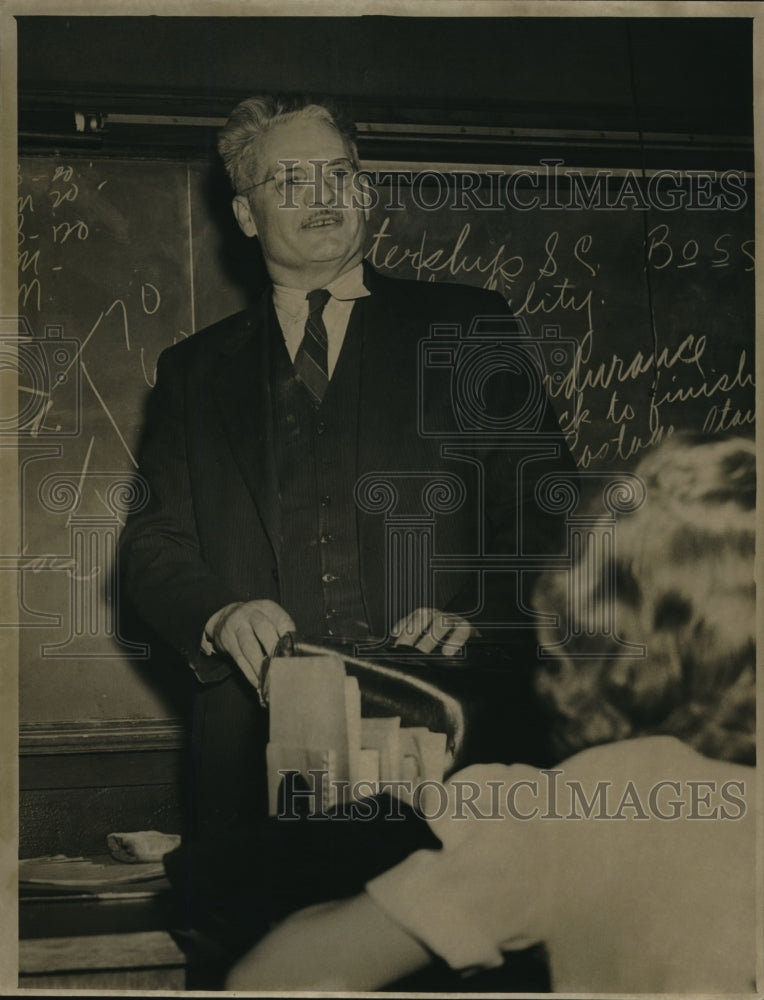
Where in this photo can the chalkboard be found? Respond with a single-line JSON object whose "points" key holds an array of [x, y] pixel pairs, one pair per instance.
{"points": [[120, 258], [583, 276]]}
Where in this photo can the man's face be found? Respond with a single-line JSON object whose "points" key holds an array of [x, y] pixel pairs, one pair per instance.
{"points": [[307, 237]]}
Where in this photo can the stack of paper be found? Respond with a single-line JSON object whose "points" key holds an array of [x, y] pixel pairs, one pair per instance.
{"points": [[315, 724], [383, 736], [316, 730]]}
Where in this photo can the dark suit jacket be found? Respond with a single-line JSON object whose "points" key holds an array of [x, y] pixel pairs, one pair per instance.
{"points": [[208, 535]]}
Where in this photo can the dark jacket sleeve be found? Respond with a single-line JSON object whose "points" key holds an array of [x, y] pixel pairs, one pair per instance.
{"points": [[528, 446], [164, 574], [517, 520]]}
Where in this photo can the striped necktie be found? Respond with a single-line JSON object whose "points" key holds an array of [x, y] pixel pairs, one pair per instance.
{"points": [[311, 361]]}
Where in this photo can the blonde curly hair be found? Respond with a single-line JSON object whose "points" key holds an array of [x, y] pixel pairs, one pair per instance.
{"points": [[683, 568]]}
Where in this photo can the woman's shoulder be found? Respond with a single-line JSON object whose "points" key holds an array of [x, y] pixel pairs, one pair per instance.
{"points": [[646, 777], [650, 756], [643, 755]]}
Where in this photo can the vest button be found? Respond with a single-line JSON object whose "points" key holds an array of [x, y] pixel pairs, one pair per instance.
{"points": [[326, 539], [329, 578], [325, 501], [331, 613], [320, 427]]}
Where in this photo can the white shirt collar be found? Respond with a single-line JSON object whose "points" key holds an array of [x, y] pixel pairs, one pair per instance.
{"points": [[347, 287]]}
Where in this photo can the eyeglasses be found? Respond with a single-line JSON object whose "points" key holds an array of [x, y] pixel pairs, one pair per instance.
{"points": [[294, 178]]}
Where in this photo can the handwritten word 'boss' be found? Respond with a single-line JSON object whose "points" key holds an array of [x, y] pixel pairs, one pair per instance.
{"points": [[663, 250]]}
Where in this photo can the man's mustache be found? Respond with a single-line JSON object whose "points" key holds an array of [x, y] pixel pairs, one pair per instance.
{"points": [[322, 215]]}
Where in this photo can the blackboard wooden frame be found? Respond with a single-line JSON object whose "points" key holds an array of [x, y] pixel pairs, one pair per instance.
{"points": [[85, 124]]}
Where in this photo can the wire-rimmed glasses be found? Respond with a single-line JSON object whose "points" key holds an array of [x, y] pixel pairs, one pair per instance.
{"points": [[294, 176]]}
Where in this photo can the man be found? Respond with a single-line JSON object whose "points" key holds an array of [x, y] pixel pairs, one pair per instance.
{"points": [[262, 428]]}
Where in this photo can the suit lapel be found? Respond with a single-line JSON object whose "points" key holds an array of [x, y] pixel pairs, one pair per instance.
{"points": [[242, 392]]}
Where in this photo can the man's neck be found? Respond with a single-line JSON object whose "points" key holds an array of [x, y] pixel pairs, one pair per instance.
{"points": [[314, 277]]}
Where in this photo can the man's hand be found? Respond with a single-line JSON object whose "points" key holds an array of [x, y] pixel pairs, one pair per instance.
{"points": [[248, 632], [427, 628]]}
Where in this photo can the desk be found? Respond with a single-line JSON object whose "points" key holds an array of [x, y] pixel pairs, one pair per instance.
{"points": [[77, 781], [111, 940]]}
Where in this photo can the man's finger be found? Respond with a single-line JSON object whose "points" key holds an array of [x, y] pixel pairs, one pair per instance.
{"points": [[248, 632], [413, 626], [427, 643], [242, 660], [460, 633], [438, 629], [278, 617], [264, 630], [440, 626], [253, 653], [401, 624], [435, 632], [448, 631]]}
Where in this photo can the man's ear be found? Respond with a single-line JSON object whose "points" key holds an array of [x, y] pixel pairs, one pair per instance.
{"points": [[244, 215]]}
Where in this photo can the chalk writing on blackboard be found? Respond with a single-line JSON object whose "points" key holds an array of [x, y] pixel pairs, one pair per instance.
{"points": [[109, 275], [623, 391]]}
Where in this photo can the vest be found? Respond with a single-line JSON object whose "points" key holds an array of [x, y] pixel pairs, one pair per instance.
{"points": [[315, 454]]}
